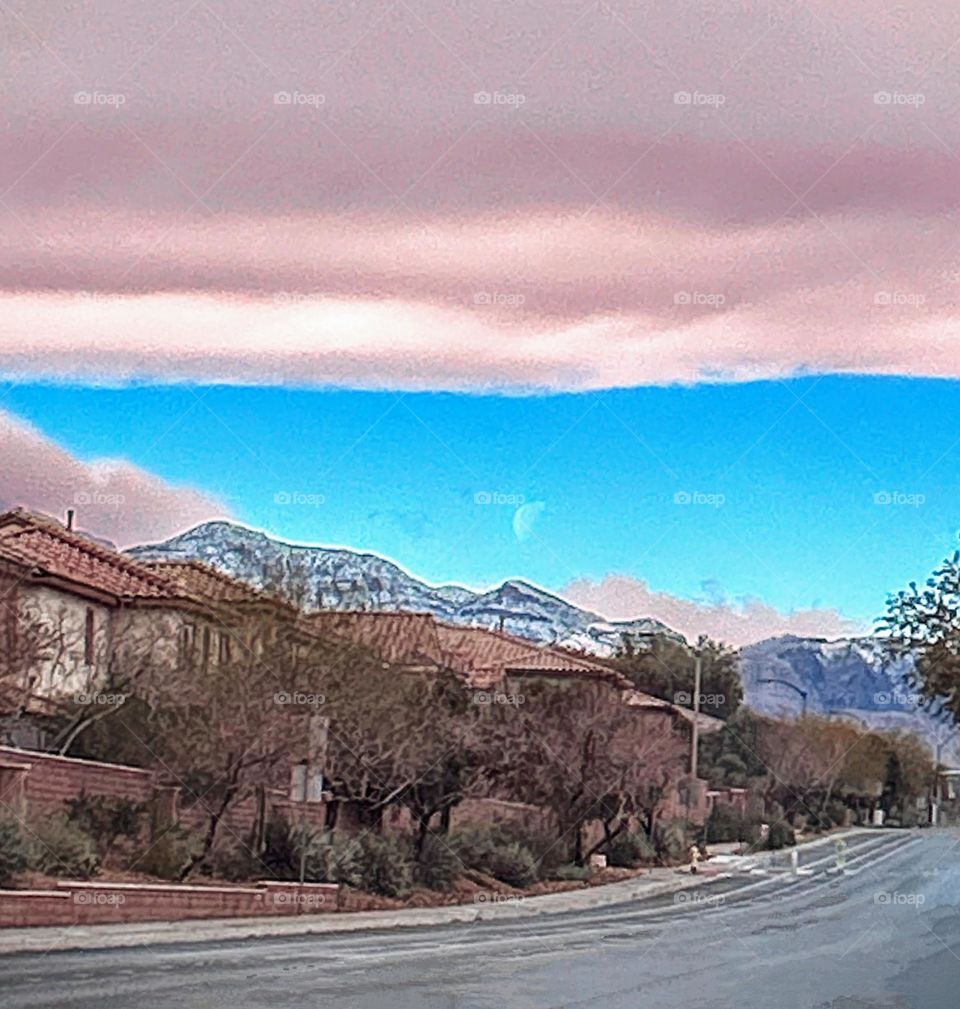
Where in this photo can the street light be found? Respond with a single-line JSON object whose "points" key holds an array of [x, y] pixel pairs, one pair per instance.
{"points": [[792, 686]]}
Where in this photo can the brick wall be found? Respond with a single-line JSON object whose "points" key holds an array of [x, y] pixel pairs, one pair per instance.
{"points": [[52, 780], [76, 903]]}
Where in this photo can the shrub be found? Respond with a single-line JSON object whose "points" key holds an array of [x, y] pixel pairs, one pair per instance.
{"points": [[835, 814], [779, 836], [60, 848], [438, 865], [629, 850], [235, 862], [673, 839], [381, 865], [572, 872], [725, 823], [167, 856], [14, 852], [486, 850], [106, 819]]}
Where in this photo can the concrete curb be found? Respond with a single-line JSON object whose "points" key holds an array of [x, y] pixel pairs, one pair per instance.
{"points": [[90, 937]]}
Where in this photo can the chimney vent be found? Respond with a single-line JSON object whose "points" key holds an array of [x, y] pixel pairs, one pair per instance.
{"points": [[69, 520]]}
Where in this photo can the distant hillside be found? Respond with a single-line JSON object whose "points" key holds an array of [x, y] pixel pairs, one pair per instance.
{"points": [[346, 579]]}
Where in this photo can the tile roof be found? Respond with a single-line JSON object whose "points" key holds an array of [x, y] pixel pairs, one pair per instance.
{"points": [[482, 656], [205, 584], [42, 544]]}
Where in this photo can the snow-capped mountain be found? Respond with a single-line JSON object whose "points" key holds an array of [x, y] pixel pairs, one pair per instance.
{"points": [[336, 578], [849, 676]]}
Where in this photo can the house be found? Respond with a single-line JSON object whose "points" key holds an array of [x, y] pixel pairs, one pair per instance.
{"points": [[497, 664]]}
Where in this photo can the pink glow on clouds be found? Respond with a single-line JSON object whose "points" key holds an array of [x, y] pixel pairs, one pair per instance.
{"points": [[189, 211], [112, 499], [736, 623]]}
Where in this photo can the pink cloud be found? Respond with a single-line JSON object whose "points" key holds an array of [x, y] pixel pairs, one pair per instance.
{"points": [[620, 597], [112, 499], [183, 224]]}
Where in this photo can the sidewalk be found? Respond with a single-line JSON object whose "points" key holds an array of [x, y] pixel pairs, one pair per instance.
{"points": [[657, 882]]}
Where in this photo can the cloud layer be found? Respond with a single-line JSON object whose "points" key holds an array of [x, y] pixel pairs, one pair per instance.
{"points": [[428, 196], [620, 597], [112, 499]]}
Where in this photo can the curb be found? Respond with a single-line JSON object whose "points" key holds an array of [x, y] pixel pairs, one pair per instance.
{"points": [[102, 937]]}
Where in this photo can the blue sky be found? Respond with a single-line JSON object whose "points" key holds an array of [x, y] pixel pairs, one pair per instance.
{"points": [[765, 490]]}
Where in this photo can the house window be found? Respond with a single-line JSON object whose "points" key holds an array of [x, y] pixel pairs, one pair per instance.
{"points": [[205, 658], [223, 652], [186, 643], [89, 638]]}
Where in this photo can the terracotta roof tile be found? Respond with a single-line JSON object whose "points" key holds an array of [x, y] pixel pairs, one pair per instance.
{"points": [[39, 543]]}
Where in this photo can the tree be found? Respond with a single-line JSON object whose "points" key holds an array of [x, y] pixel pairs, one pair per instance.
{"points": [[576, 749], [924, 622], [222, 729], [664, 668]]}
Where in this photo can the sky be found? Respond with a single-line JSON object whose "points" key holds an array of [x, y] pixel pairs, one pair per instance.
{"points": [[708, 248], [772, 506]]}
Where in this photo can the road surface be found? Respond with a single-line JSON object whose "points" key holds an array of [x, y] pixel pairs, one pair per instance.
{"points": [[885, 933]]}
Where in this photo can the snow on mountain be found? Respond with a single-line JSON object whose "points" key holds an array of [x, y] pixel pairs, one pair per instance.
{"points": [[848, 676], [337, 578]]}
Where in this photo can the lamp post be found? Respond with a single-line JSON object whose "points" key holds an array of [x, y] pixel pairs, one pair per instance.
{"points": [[792, 686]]}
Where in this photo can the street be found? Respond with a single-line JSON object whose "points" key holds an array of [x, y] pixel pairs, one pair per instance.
{"points": [[884, 933]]}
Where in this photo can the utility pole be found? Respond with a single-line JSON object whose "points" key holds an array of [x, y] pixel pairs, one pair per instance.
{"points": [[695, 734]]}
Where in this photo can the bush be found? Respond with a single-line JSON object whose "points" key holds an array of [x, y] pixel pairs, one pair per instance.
{"points": [[630, 849], [60, 848], [14, 852], [235, 862], [382, 865], [106, 819], [835, 814], [167, 855], [486, 850], [438, 865], [724, 824], [548, 851], [779, 836], [571, 872], [673, 839]]}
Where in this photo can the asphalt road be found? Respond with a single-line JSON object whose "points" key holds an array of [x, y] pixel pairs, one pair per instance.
{"points": [[885, 933]]}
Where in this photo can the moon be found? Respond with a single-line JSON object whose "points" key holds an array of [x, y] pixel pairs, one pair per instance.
{"points": [[525, 518]]}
